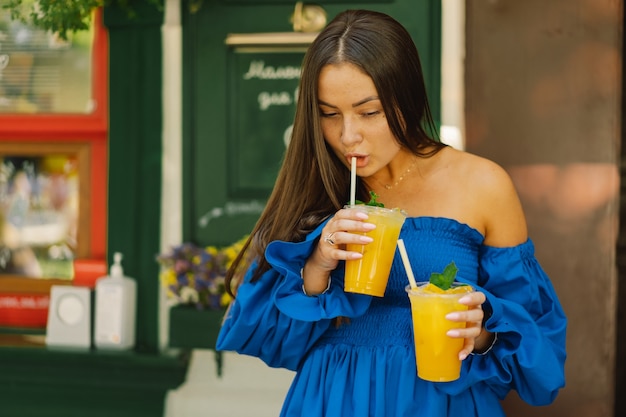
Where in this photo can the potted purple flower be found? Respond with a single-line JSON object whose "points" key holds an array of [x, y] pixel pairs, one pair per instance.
{"points": [[193, 277]]}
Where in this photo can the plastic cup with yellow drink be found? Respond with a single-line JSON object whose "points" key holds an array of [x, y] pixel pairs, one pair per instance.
{"points": [[369, 275], [436, 353]]}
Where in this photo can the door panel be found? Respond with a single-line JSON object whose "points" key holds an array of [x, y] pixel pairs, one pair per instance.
{"points": [[239, 102]]}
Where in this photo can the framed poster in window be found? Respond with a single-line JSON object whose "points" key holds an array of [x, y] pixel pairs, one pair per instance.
{"points": [[44, 208]]}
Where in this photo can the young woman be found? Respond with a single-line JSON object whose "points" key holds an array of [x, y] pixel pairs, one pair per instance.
{"points": [[362, 95]]}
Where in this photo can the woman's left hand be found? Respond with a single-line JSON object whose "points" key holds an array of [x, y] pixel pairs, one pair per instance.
{"points": [[476, 338]]}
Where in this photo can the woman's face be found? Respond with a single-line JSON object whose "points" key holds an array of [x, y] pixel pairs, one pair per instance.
{"points": [[353, 120]]}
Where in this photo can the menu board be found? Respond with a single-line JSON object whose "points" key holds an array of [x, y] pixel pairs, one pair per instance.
{"points": [[263, 89]]}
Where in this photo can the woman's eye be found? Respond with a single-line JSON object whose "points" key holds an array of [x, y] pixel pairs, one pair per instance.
{"points": [[371, 113], [328, 113]]}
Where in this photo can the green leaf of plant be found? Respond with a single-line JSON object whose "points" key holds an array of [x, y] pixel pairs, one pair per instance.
{"points": [[67, 16], [444, 280], [437, 279], [373, 201], [450, 272]]}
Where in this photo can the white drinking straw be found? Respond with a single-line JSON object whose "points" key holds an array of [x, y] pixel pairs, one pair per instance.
{"points": [[353, 181], [407, 264]]}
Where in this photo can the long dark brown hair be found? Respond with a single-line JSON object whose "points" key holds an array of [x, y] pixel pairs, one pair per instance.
{"points": [[313, 183]]}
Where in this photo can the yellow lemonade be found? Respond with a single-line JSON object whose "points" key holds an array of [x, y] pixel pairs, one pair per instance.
{"points": [[369, 274], [436, 354]]}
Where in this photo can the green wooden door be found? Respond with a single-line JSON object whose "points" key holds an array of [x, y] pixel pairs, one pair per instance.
{"points": [[239, 102]]}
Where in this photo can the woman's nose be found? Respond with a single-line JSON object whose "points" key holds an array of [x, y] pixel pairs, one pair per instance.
{"points": [[350, 133]]}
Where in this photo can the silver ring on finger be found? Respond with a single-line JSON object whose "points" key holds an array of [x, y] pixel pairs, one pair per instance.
{"points": [[329, 239]]}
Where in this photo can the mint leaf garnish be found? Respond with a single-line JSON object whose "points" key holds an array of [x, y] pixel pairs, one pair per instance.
{"points": [[444, 280], [373, 201]]}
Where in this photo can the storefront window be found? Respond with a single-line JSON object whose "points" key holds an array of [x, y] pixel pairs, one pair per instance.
{"points": [[41, 73]]}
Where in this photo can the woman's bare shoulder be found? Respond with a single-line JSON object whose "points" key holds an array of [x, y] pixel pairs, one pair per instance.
{"points": [[493, 196], [475, 170]]}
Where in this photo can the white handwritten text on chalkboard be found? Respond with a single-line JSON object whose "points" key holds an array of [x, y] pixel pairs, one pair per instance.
{"points": [[259, 70], [266, 99]]}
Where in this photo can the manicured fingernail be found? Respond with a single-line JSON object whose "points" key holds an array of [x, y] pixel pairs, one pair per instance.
{"points": [[361, 215], [453, 316], [462, 355], [369, 226], [366, 239], [453, 333]]}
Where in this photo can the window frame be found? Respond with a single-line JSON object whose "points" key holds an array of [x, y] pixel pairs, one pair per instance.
{"points": [[82, 133]]}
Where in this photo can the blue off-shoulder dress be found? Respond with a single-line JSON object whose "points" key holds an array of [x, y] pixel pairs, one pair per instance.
{"points": [[366, 367]]}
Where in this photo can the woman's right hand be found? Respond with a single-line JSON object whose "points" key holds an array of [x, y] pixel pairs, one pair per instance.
{"points": [[346, 226]]}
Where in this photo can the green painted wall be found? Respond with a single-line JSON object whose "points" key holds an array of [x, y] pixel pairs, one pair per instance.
{"points": [[135, 130]]}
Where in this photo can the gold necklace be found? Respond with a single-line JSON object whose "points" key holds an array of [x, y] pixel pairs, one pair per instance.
{"points": [[404, 174]]}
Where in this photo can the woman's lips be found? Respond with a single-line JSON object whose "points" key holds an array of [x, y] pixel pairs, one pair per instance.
{"points": [[361, 160]]}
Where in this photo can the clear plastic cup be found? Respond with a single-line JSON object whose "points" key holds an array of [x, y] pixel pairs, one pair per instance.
{"points": [[437, 354], [369, 275]]}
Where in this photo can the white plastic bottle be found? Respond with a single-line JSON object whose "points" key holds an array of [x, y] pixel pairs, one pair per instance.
{"points": [[115, 310]]}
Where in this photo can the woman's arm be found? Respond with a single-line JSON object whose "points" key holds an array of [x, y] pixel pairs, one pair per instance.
{"points": [[273, 319]]}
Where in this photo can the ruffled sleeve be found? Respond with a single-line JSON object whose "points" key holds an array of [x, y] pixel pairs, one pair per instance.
{"points": [[273, 319], [529, 355]]}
